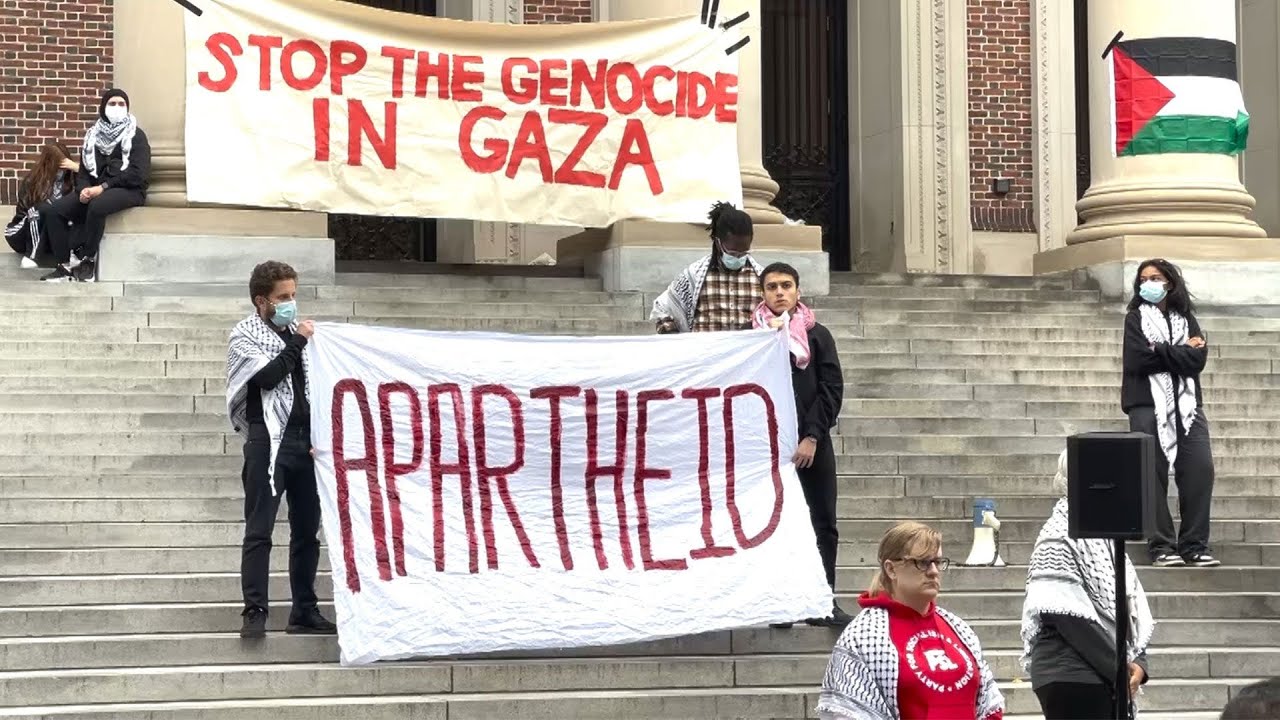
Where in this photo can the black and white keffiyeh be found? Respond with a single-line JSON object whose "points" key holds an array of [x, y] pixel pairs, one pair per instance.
{"points": [[253, 344], [1171, 402], [862, 676], [103, 137], [1077, 578], [680, 300]]}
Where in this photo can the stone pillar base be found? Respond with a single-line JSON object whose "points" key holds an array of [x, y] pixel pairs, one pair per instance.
{"points": [[1219, 270], [645, 256], [213, 245]]}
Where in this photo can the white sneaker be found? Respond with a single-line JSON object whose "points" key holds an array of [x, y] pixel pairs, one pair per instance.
{"points": [[27, 263], [1168, 560], [74, 262]]}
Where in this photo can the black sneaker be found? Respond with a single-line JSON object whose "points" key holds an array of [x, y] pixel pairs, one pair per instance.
{"points": [[1165, 560], [839, 618], [255, 624], [1202, 560], [310, 622], [60, 274], [781, 626], [86, 271]]}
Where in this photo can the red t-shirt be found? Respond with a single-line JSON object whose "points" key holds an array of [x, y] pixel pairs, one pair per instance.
{"points": [[938, 678]]}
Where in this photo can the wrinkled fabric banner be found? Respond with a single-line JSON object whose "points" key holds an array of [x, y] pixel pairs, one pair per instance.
{"points": [[487, 492], [341, 108]]}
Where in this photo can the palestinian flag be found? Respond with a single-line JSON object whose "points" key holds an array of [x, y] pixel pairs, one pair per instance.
{"points": [[1176, 95]]}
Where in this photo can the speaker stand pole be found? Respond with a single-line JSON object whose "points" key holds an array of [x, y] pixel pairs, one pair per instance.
{"points": [[1122, 635]]}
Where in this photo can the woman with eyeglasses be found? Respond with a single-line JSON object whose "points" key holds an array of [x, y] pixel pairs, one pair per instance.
{"points": [[1069, 620], [903, 656]]}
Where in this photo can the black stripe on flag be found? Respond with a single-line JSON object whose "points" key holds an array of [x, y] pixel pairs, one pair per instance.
{"points": [[1205, 57]]}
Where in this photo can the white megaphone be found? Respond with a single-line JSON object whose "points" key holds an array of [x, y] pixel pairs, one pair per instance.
{"points": [[986, 536]]}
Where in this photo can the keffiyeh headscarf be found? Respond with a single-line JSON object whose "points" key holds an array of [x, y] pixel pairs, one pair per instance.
{"points": [[1171, 404], [105, 135]]}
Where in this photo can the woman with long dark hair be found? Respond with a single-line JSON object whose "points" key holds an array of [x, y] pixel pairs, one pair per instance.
{"points": [[1164, 354], [49, 178]]}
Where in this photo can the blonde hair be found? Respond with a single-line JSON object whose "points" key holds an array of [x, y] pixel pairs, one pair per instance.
{"points": [[906, 539], [1060, 478]]}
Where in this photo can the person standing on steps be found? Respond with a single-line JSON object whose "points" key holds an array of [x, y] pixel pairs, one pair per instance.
{"points": [[818, 384], [268, 402], [903, 657], [115, 170], [720, 291], [1164, 354], [1069, 620]]}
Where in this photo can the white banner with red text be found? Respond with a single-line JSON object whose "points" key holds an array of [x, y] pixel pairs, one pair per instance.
{"points": [[336, 107], [487, 492]]}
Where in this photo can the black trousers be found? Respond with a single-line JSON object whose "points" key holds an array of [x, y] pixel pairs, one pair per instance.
{"points": [[819, 484], [1193, 471], [87, 222], [1076, 701], [22, 241], [296, 477]]}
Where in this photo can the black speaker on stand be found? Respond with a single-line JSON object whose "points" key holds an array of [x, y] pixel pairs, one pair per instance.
{"points": [[1111, 495]]}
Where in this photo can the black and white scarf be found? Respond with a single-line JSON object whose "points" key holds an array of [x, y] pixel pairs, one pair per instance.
{"points": [[862, 676], [1171, 402], [103, 137], [1077, 578], [680, 300], [253, 344]]}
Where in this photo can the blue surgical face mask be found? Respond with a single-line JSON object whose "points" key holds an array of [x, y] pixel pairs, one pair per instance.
{"points": [[1153, 291], [730, 262], [285, 314]]}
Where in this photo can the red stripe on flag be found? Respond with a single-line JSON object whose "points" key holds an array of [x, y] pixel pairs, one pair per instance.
{"points": [[1139, 96]]}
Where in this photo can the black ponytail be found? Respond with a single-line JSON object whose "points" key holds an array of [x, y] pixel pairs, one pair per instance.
{"points": [[726, 220]]}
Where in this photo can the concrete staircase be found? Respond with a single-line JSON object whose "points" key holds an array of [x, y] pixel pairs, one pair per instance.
{"points": [[120, 501]]}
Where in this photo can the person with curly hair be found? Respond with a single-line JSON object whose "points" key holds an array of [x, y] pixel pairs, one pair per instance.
{"points": [[50, 177], [719, 291]]}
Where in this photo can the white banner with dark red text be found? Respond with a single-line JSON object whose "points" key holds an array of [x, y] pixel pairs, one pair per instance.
{"points": [[341, 108], [489, 492]]}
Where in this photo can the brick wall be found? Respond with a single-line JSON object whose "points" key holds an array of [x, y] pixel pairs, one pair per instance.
{"points": [[55, 61], [1000, 114], [557, 11]]}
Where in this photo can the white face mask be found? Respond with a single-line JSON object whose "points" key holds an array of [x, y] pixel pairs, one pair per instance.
{"points": [[116, 113]]}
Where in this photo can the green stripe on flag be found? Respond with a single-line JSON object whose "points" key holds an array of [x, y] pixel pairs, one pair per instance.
{"points": [[1191, 134]]}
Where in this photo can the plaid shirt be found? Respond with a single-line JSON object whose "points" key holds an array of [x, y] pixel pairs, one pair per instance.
{"points": [[727, 300]]}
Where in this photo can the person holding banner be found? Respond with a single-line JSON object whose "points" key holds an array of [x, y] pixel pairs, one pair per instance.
{"points": [[115, 170], [903, 656], [720, 291], [818, 383], [268, 401]]}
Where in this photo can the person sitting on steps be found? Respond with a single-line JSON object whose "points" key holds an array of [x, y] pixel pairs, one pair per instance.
{"points": [[115, 170], [50, 178]]}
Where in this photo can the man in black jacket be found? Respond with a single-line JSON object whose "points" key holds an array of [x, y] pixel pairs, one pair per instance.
{"points": [[269, 405], [818, 383]]}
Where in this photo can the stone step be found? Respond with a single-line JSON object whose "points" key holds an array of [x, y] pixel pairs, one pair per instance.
{"points": [[1108, 363], [446, 281], [229, 509], [59, 386], [142, 560], [1226, 447], [921, 280], [122, 443], [191, 464], [1014, 350], [958, 534], [855, 408], [410, 306], [1043, 464], [72, 322], [1206, 605], [34, 591], [843, 303], [987, 336], [1069, 379], [1018, 319], [991, 426], [34, 421], [122, 403], [864, 553], [245, 682], [944, 293]]}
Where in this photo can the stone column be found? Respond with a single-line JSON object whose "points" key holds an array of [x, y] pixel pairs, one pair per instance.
{"points": [[168, 240], [1179, 195], [758, 189], [1190, 208]]}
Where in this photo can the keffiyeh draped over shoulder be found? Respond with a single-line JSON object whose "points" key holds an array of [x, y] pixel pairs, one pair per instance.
{"points": [[680, 300], [1077, 578], [253, 344], [862, 676], [103, 137], [1172, 404]]}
